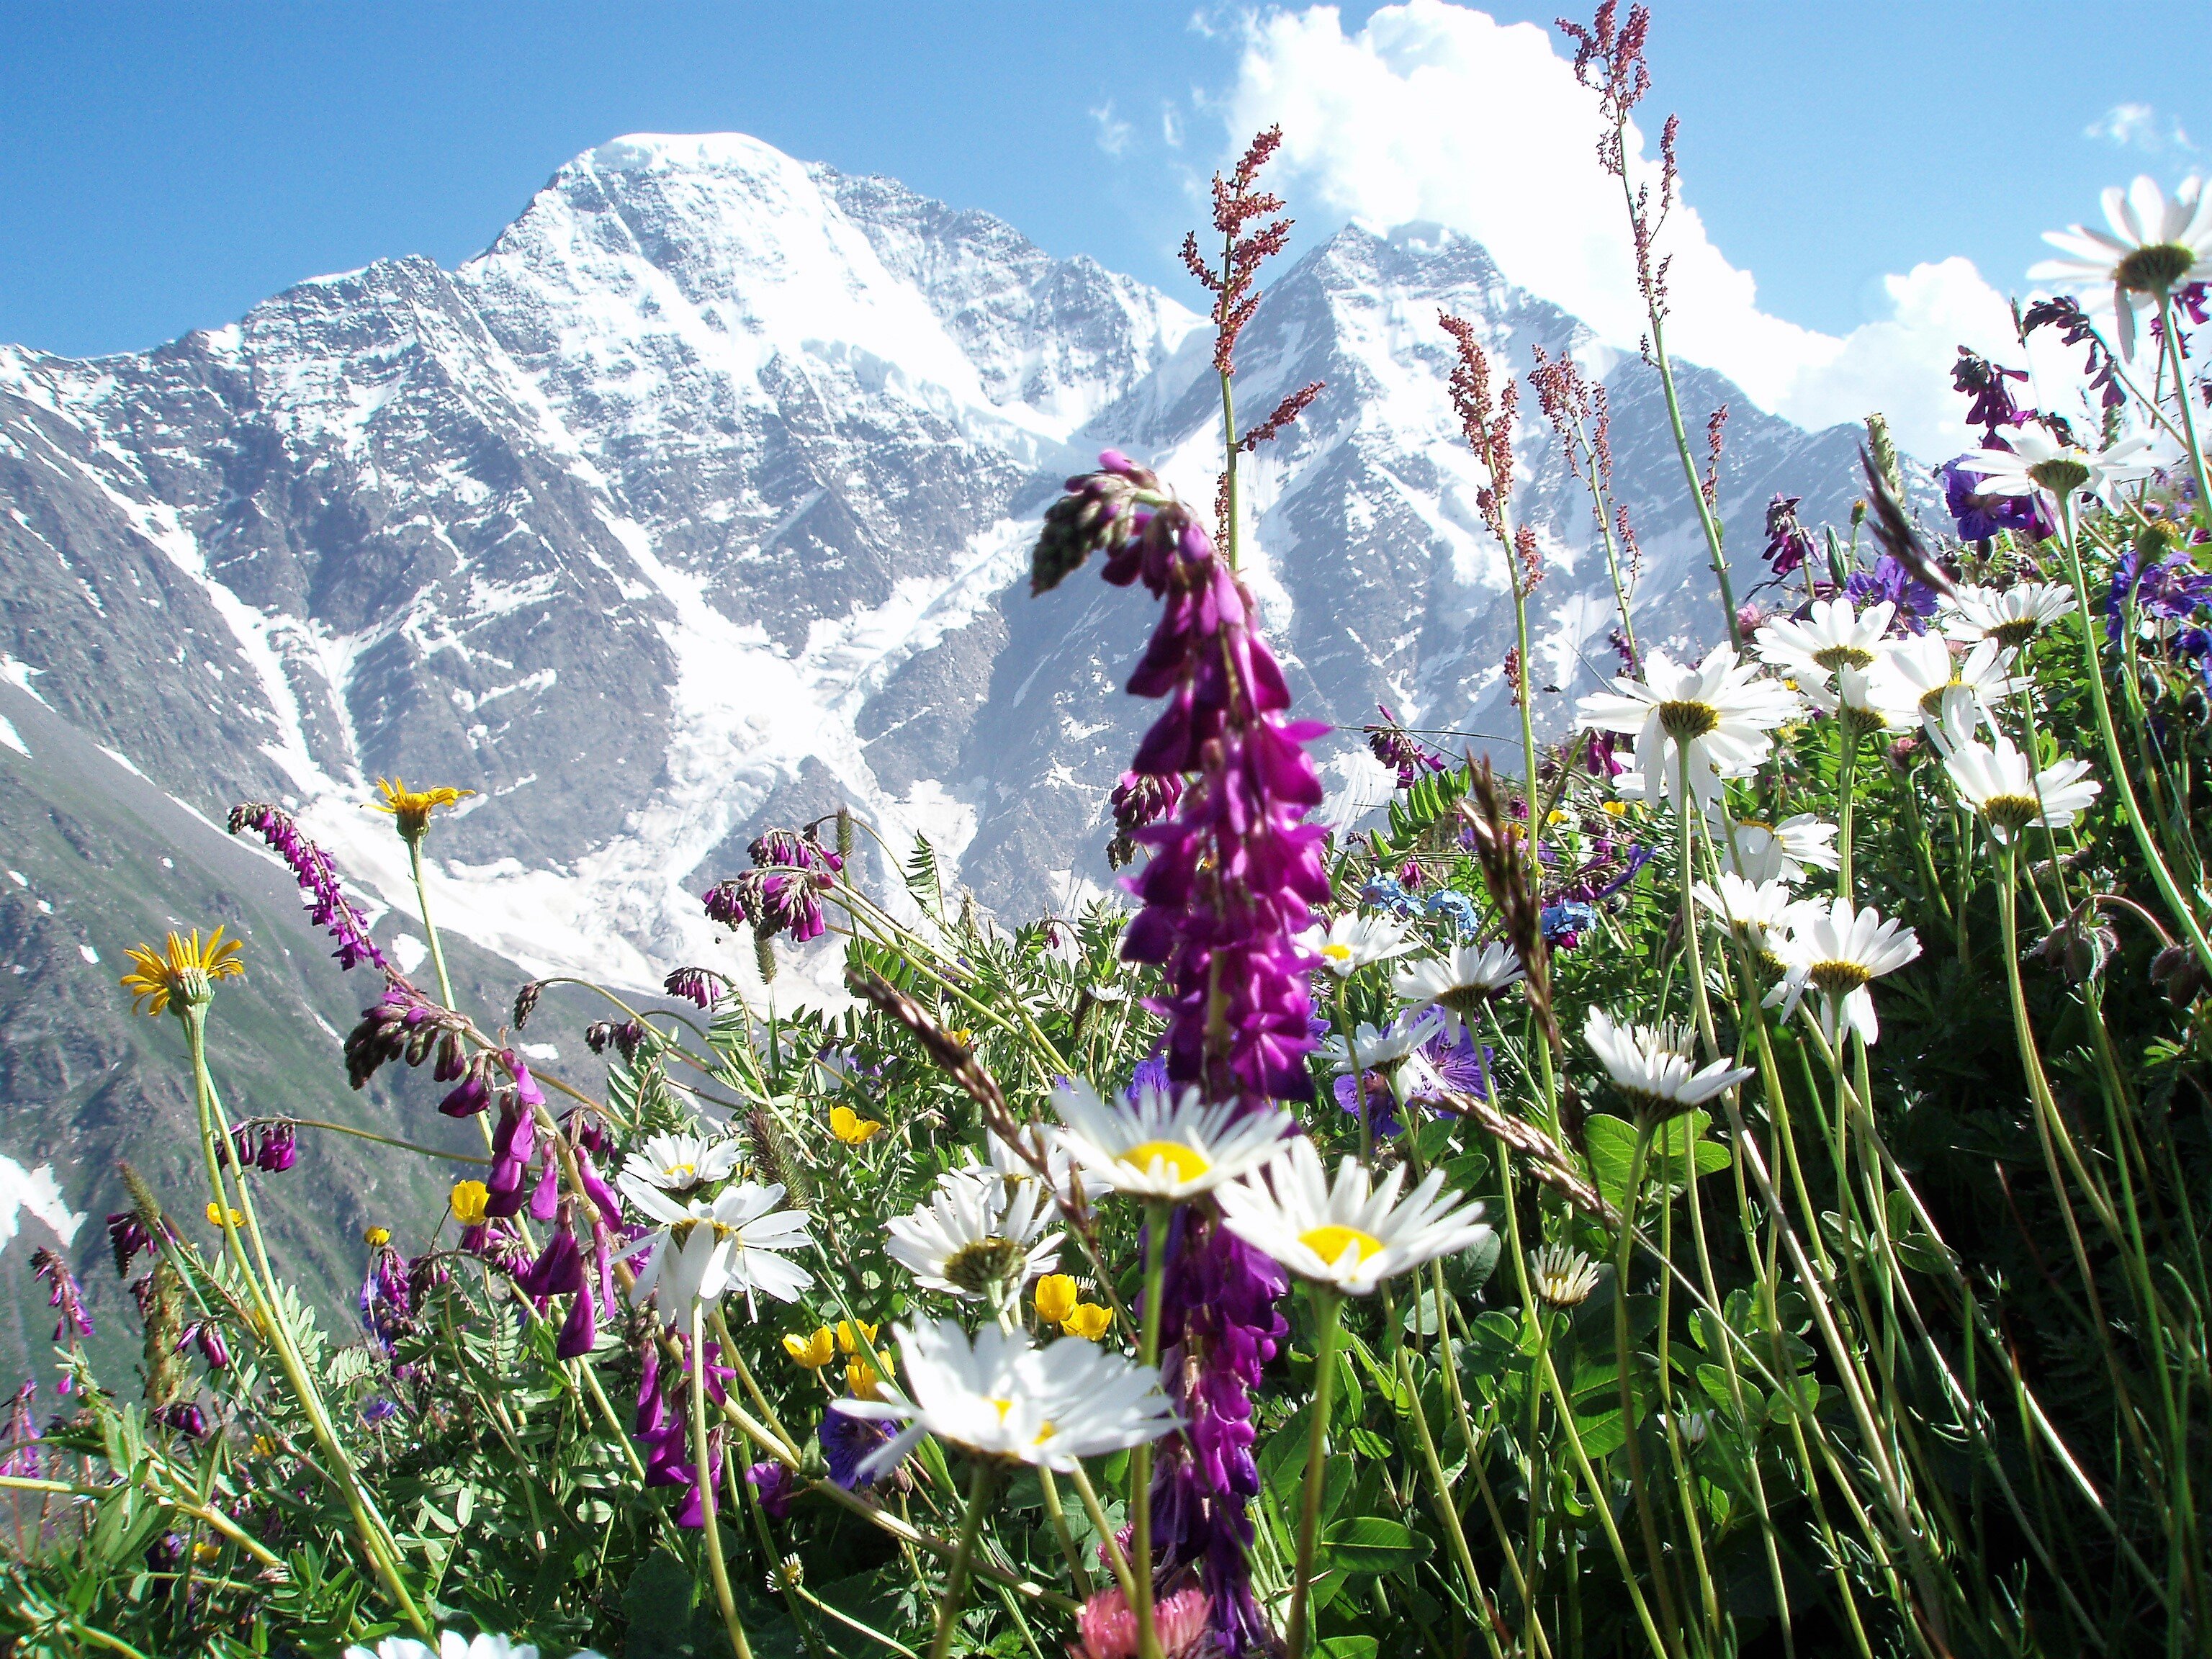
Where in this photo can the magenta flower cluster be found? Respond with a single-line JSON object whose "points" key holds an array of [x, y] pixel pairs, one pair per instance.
{"points": [[311, 866], [780, 894]]}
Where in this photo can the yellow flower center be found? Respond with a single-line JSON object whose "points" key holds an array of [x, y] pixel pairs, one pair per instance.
{"points": [[1843, 656], [2012, 812], [1004, 1406], [1337, 953], [1330, 1243], [2153, 269], [1837, 978], [1186, 1162], [1685, 719]]}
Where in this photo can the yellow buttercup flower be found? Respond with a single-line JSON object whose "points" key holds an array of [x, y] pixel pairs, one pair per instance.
{"points": [[865, 1381], [469, 1199], [1618, 808], [204, 1552], [1089, 1321], [1056, 1297], [376, 1237], [814, 1352], [411, 807], [850, 1344], [849, 1126], [184, 971], [263, 1446], [214, 1216], [963, 1035]]}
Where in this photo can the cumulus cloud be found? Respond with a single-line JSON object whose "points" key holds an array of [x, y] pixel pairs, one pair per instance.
{"points": [[1437, 111], [2136, 126]]}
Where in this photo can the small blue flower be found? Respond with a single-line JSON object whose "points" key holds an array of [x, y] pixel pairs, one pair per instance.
{"points": [[1384, 893], [1565, 924], [1457, 907]]}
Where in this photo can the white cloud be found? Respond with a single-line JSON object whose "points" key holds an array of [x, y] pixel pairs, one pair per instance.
{"points": [[1171, 126], [1113, 133], [2136, 126], [1437, 111]]}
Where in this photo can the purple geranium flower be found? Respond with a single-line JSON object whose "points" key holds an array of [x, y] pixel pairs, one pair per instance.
{"points": [[847, 1442], [2170, 589], [1980, 517], [1890, 580]]}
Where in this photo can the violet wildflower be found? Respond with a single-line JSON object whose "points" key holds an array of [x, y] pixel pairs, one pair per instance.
{"points": [[64, 1293], [700, 985], [387, 1299], [1789, 544], [18, 1438], [1979, 517], [1444, 1063], [1382, 1104], [207, 1336], [780, 893], [1138, 800], [127, 1236], [1398, 749], [378, 1410], [776, 1487], [1992, 407], [184, 1417], [329, 908], [1890, 582], [406, 1025], [2169, 589], [847, 1442], [660, 1426], [625, 1036]]}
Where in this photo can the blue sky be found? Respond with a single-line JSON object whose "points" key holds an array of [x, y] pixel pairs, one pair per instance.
{"points": [[176, 163]]}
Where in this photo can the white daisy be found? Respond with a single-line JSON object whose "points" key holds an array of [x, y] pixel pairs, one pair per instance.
{"points": [[1381, 1050], [1007, 1163], [1917, 671], [1717, 716], [977, 1237], [703, 1250], [1831, 636], [1457, 985], [1562, 1276], [1353, 940], [1162, 1146], [1764, 910], [1347, 1236], [2154, 247], [999, 1396], [2036, 461], [1776, 852], [452, 1644], [2000, 784], [1655, 1066], [2010, 616], [1836, 950], [679, 1163], [1859, 699]]}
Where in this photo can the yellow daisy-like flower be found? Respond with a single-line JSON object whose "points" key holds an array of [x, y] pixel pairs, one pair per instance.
{"points": [[183, 972], [812, 1353], [1089, 1321], [1056, 1297], [411, 807], [469, 1199], [849, 1126], [214, 1216], [376, 1237]]}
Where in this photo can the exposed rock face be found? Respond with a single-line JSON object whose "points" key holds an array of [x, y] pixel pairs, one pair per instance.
{"points": [[704, 496]]}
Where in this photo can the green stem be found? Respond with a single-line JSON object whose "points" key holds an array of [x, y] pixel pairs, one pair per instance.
{"points": [[1328, 1311], [963, 1551], [2172, 339], [702, 1467], [429, 928], [1157, 1218], [1447, 1511]]}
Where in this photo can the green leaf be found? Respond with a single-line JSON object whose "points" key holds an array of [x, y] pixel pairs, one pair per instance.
{"points": [[1368, 1543], [1348, 1647]]}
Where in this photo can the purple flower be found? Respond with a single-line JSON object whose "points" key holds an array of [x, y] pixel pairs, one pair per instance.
{"points": [[387, 1300], [700, 985], [662, 1426], [777, 1486], [1398, 749], [127, 1236], [1980, 517], [65, 1293], [184, 1417], [1983, 381], [207, 1338], [1443, 1063], [1382, 1104], [2171, 590], [19, 1440], [847, 1442], [1890, 580], [330, 908], [379, 1410], [1789, 544], [778, 894]]}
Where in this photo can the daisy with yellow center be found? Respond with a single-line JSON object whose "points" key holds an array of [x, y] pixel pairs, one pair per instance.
{"points": [[849, 1126], [183, 972], [1000, 1395], [411, 808], [1163, 1145], [1352, 941], [1349, 1236]]}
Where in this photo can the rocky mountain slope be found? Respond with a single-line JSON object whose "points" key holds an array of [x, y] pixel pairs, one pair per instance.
{"points": [[701, 500]]}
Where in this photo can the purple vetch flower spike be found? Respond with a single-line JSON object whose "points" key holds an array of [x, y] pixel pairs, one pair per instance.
{"points": [[1398, 749], [127, 1236], [1983, 381], [184, 1417], [700, 985], [279, 1149], [661, 1425], [19, 1437], [1788, 544], [317, 877], [64, 1293], [207, 1338]]}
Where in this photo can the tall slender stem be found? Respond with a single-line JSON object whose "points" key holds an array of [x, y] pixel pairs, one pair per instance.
{"points": [[429, 927], [702, 1470], [1157, 1220], [963, 1552], [1328, 1312], [2171, 337]]}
